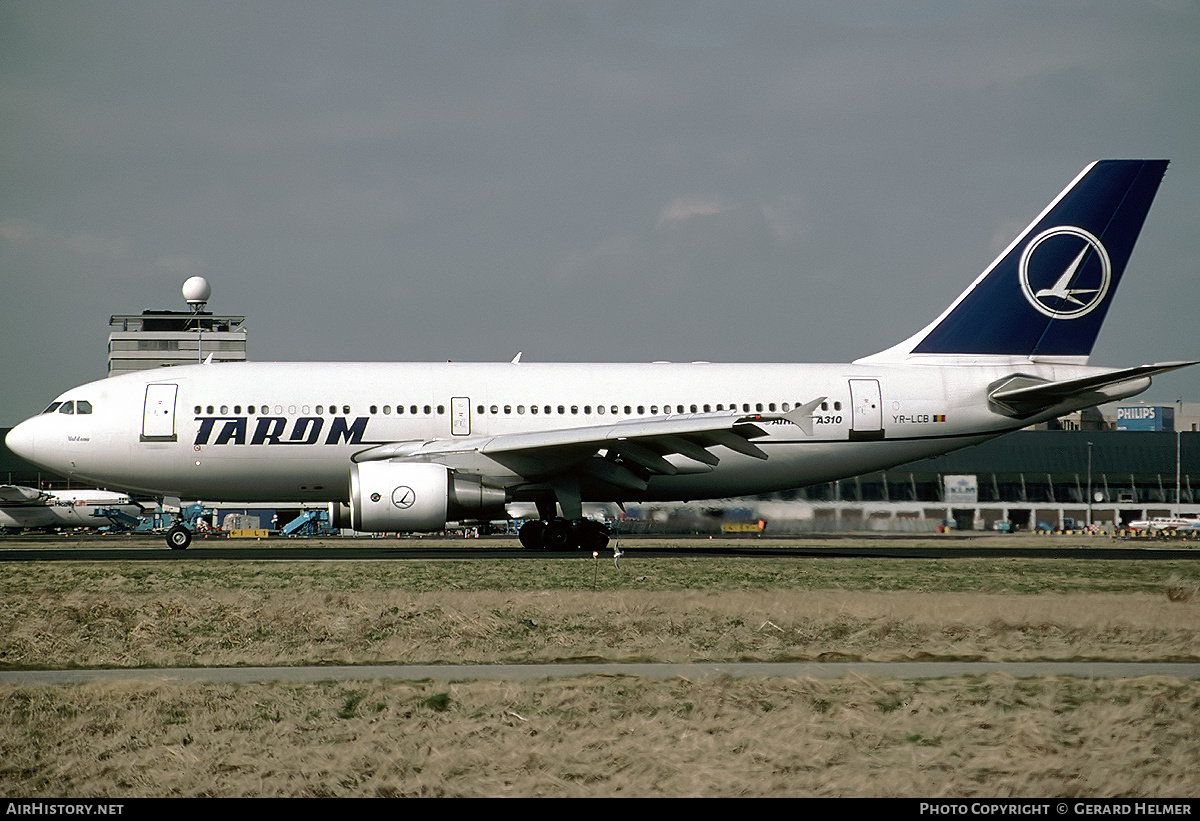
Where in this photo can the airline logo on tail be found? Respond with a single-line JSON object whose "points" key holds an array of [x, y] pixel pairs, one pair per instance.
{"points": [[1068, 297], [1046, 295]]}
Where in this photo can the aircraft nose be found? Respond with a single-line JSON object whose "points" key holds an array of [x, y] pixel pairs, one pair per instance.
{"points": [[20, 440]]}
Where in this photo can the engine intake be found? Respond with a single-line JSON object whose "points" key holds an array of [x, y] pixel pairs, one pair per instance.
{"points": [[414, 496]]}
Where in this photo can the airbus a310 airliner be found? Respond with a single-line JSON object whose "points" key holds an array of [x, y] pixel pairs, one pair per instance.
{"points": [[408, 447]]}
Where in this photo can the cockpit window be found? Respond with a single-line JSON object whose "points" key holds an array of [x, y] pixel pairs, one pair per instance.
{"points": [[69, 407]]}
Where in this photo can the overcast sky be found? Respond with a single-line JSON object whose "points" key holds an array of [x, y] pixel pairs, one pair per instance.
{"points": [[626, 181]]}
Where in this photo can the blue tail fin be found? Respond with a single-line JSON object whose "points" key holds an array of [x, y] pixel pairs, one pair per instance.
{"points": [[1047, 294]]}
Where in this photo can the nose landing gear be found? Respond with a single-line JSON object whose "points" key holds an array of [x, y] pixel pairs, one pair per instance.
{"points": [[179, 537]]}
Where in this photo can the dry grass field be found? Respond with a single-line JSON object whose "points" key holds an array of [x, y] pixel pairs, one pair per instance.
{"points": [[987, 737], [600, 736]]}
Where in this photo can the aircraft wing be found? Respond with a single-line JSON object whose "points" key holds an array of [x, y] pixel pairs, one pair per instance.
{"points": [[623, 453], [15, 494], [1024, 396]]}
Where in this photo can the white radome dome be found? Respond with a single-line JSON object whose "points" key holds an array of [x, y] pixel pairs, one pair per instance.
{"points": [[196, 290]]}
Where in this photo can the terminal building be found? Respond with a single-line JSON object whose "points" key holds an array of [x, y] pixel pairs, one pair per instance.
{"points": [[157, 339], [1022, 481]]}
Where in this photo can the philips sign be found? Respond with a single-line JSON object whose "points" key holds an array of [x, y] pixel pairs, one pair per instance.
{"points": [[1146, 417]]}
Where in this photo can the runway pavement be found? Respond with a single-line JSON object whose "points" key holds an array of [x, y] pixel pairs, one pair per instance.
{"points": [[144, 548]]}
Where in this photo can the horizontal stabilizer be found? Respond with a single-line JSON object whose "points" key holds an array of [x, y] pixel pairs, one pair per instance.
{"points": [[1025, 396]]}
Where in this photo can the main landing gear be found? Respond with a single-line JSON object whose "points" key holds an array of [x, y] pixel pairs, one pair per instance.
{"points": [[563, 534]]}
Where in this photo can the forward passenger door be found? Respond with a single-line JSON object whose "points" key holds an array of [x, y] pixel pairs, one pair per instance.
{"points": [[158, 414]]}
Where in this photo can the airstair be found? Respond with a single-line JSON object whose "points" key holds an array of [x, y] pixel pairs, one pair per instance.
{"points": [[119, 518], [308, 523]]}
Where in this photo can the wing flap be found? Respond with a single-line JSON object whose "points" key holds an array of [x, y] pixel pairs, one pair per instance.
{"points": [[614, 474], [641, 455], [630, 448]]}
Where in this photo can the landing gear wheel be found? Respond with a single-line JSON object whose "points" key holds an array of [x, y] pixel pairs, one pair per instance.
{"points": [[592, 535], [530, 535], [559, 535], [179, 537]]}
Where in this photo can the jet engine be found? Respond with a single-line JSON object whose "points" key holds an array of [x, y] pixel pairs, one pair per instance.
{"points": [[414, 496]]}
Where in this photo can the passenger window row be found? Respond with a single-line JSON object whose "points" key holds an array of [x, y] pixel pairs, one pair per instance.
{"points": [[280, 409], [496, 410], [654, 410]]}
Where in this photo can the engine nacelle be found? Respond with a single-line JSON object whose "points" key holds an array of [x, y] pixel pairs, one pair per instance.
{"points": [[415, 496]]}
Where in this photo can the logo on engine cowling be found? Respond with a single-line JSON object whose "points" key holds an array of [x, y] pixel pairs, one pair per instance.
{"points": [[404, 497], [375, 497]]}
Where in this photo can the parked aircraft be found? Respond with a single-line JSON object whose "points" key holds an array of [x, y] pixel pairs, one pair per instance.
{"points": [[26, 507], [1159, 523], [407, 447]]}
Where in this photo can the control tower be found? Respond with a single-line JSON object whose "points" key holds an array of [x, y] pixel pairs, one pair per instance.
{"points": [[158, 339]]}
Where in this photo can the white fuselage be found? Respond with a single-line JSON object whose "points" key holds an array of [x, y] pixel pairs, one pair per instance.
{"points": [[287, 431]]}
